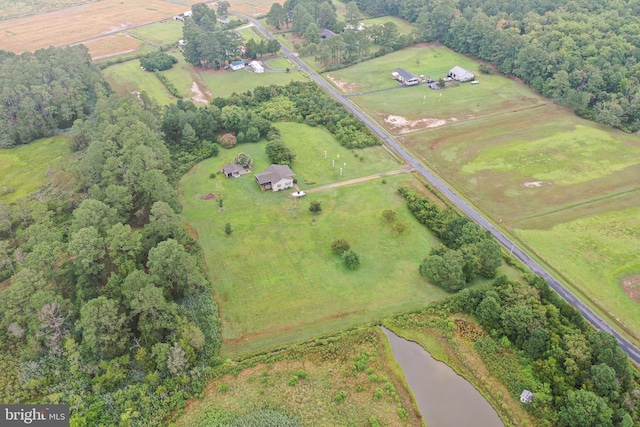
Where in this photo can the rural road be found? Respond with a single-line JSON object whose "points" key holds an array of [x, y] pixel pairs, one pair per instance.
{"points": [[460, 203], [405, 169]]}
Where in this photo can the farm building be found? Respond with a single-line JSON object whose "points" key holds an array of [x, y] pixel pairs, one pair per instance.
{"points": [[461, 75], [256, 67], [327, 33], [238, 65], [276, 178], [405, 77], [233, 170]]}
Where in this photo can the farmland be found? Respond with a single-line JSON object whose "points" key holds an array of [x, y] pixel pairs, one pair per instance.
{"points": [[82, 23], [23, 169]]}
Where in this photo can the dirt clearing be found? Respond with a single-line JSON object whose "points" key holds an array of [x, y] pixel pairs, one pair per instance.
{"points": [[401, 125], [631, 286], [84, 22]]}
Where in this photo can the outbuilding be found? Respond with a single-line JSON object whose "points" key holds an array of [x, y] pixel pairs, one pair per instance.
{"points": [[237, 65], [256, 67], [461, 75]]}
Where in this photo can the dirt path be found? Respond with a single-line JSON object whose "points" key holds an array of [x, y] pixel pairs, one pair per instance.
{"points": [[356, 180]]}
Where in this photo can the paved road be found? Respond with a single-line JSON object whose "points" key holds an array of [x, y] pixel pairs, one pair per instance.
{"points": [[462, 204]]}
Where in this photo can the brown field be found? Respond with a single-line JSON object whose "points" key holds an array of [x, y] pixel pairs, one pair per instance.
{"points": [[112, 45], [82, 23], [252, 7]]}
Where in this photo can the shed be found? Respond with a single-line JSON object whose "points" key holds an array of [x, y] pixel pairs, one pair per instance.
{"points": [[256, 67], [327, 33], [237, 65], [233, 170], [526, 396], [461, 75]]}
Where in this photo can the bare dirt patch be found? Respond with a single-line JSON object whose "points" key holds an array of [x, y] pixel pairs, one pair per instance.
{"points": [[81, 23], [402, 125], [533, 184], [198, 95], [192, 231], [209, 196], [631, 286], [112, 45], [344, 86]]}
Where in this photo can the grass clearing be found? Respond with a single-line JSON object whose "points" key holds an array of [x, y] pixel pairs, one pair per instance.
{"points": [[159, 33], [304, 382], [127, 78], [23, 169], [223, 83], [279, 63], [275, 277], [249, 33], [404, 27], [16, 8]]}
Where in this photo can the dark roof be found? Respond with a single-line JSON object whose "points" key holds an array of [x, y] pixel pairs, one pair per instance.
{"points": [[327, 33], [406, 75], [274, 173], [232, 167]]}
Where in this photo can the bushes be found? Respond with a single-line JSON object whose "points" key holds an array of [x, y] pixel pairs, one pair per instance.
{"points": [[167, 84], [228, 140], [340, 246], [157, 61]]}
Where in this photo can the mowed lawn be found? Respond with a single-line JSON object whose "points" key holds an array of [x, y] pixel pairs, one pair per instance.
{"points": [[23, 169], [222, 83], [275, 277], [128, 77], [159, 33]]}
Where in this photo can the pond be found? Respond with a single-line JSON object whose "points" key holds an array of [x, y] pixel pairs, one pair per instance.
{"points": [[444, 398]]}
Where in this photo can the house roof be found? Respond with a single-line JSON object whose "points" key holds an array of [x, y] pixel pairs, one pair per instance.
{"points": [[406, 75], [461, 73], [232, 167], [236, 63], [526, 395], [327, 33], [274, 173]]}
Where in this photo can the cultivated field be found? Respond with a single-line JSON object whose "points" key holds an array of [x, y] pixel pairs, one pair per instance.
{"points": [[275, 277], [303, 382], [15, 8], [538, 170], [23, 169], [81, 23]]}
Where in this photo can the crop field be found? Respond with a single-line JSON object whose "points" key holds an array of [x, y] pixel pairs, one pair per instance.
{"points": [[82, 23], [108, 46], [275, 277], [252, 8], [15, 8], [303, 382], [23, 169]]}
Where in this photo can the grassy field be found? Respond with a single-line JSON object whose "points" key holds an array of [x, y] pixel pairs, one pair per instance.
{"points": [[81, 23], [304, 382], [249, 33], [159, 33], [404, 27], [279, 63], [128, 77], [224, 82], [23, 169], [275, 277]]}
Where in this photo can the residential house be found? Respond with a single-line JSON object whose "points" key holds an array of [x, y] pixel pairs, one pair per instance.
{"points": [[461, 75], [256, 67], [526, 396], [237, 65], [276, 178], [405, 77], [233, 170], [223, 19]]}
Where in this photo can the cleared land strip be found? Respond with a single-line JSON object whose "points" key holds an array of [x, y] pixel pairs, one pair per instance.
{"points": [[362, 179]]}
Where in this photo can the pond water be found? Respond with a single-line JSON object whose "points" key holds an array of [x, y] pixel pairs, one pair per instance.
{"points": [[444, 398]]}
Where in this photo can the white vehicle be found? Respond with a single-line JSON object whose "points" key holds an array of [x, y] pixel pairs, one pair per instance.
{"points": [[297, 194]]}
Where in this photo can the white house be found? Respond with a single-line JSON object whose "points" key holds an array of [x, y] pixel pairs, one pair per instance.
{"points": [[405, 77], [461, 75], [276, 178], [223, 19], [256, 67], [238, 65]]}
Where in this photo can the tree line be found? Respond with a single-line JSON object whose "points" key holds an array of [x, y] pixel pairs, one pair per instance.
{"points": [[580, 53], [44, 91]]}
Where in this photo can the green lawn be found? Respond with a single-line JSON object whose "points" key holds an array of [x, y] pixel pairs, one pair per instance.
{"points": [[23, 169], [275, 277], [181, 75], [128, 77], [159, 33], [279, 63], [249, 33], [223, 83], [404, 27]]}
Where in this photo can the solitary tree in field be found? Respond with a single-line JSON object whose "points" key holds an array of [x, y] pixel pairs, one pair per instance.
{"points": [[315, 207], [399, 227], [227, 229], [389, 215], [340, 246], [351, 260]]}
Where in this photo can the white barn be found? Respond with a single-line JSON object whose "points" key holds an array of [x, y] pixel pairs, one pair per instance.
{"points": [[256, 67], [461, 75]]}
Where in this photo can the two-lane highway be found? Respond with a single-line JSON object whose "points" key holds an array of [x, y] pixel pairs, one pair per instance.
{"points": [[459, 202]]}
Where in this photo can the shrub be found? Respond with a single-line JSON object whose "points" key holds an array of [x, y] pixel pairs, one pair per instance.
{"points": [[157, 61], [315, 207], [340, 246], [228, 140], [399, 227], [227, 229], [340, 396], [389, 215], [351, 260], [223, 388]]}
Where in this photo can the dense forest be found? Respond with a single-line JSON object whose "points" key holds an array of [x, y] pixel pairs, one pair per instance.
{"points": [[582, 54], [44, 91]]}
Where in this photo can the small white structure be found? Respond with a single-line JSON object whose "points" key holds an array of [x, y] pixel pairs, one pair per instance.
{"points": [[256, 67], [526, 396], [224, 19], [238, 65], [461, 75], [182, 42], [297, 194], [188, 14]]}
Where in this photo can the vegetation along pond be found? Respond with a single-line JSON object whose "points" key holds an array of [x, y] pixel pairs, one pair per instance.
{"points": [[444, 398]]}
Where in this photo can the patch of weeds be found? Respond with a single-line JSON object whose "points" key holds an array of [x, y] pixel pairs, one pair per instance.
{"points": [[223, 388], [340, 396]]}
